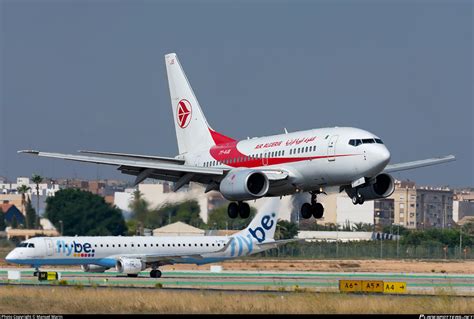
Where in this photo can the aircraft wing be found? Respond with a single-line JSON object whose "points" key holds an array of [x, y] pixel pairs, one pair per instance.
{"points": [[415, 164], [145, 166], [171, 259]]}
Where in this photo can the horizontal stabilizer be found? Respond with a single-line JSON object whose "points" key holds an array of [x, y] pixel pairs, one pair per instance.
{"points": [[136, 156], [276, 243]]}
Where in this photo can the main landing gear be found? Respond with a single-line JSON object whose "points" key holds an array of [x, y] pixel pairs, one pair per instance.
{"points": [[314, 209], [358, 199], [235, 209]]}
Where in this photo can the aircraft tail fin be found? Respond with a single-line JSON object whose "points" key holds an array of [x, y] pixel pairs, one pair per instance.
{"points": [[263, 225], [192, 130]]}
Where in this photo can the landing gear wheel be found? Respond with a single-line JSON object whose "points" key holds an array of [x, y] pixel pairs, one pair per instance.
{"points": [[358, 199], [244, 210], [306, 210], [155, 273], [317, 210], [233, 210], [355, 200]]}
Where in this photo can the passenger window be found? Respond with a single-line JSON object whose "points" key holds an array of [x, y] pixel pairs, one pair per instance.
{"points": [[125, 245]]}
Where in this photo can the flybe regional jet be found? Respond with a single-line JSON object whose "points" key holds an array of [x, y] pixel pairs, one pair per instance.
{"points": [[317, 161], [131, 255]]}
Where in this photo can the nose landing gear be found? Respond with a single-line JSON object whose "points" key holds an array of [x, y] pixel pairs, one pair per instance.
{"points": [[155, 273], [314, 209]]}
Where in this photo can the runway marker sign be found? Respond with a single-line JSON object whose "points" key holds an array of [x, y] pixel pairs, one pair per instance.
{"points": [[350, 285], [372, 286], [395, 287]]}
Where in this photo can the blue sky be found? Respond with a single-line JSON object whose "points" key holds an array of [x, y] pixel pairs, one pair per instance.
{"points": [[91, 75]]}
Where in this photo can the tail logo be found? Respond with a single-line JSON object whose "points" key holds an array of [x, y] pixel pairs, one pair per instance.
{"points": [[184, 113]]}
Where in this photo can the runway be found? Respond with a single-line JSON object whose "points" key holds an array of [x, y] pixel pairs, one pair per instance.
{"points": [[417, 283]]}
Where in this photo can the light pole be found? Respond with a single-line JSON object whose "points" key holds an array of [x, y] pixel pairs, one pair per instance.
{"points": [[460, 242], [61, 223], [398, 240]]}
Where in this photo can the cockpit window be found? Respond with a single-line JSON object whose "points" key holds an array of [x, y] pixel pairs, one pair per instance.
{"points": [[355, 142], [31, 245], [23, 245]]}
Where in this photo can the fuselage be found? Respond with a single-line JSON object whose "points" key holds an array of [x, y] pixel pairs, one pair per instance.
{"points": [[314, 158], [105, 250]]}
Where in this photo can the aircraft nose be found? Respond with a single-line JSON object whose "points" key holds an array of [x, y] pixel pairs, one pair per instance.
{"points": [[382, 156], [11, 256]]}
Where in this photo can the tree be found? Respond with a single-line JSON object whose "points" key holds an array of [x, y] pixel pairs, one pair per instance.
{"points": [[84, 214], [3, 224], [37, 179], [365, 227], [30, 215], [14, 222], [219, 219], [140, 212], [186, 212], [286, 230], [23, 189]]}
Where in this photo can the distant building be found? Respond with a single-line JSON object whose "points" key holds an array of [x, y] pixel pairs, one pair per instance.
{"points": [[434, 207], [404, 204], [178, 229], [343, 236], [338, 209], [463, 205], [10, 213]]}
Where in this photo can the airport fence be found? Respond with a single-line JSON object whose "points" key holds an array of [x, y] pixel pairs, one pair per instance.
{"points": [[381, 249]]}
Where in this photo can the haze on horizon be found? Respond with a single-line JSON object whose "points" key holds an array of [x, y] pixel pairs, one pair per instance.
{"points": [[91, 75]]}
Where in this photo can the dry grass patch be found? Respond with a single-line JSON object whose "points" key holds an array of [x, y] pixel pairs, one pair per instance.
{"points": [[70, 300]]}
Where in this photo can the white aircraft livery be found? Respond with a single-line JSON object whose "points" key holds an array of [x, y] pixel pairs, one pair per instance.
{"points": [[132, 254], [317, 161]]}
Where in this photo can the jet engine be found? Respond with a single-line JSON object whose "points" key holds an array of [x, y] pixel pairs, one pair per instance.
{"points": [[244, 184], [93, 268], [381, 186], [129, 265]]}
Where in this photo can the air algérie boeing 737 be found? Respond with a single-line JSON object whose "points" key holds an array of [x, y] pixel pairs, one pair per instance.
{"points": [[334, 159]]}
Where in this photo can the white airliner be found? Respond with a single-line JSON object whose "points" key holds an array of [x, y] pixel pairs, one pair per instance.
{"points": [[317, 161], [131, 255]]}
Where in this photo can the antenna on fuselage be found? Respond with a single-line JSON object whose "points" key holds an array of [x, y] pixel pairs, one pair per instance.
{"points": [[286, 132]]}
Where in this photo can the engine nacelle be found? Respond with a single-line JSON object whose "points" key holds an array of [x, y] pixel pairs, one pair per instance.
{"points": [[382, 186], [129, 265], [93, 268], [244, 184]]}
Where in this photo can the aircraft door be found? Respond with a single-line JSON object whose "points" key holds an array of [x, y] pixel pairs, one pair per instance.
{"points": [[49, 246], [332, 148]]}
